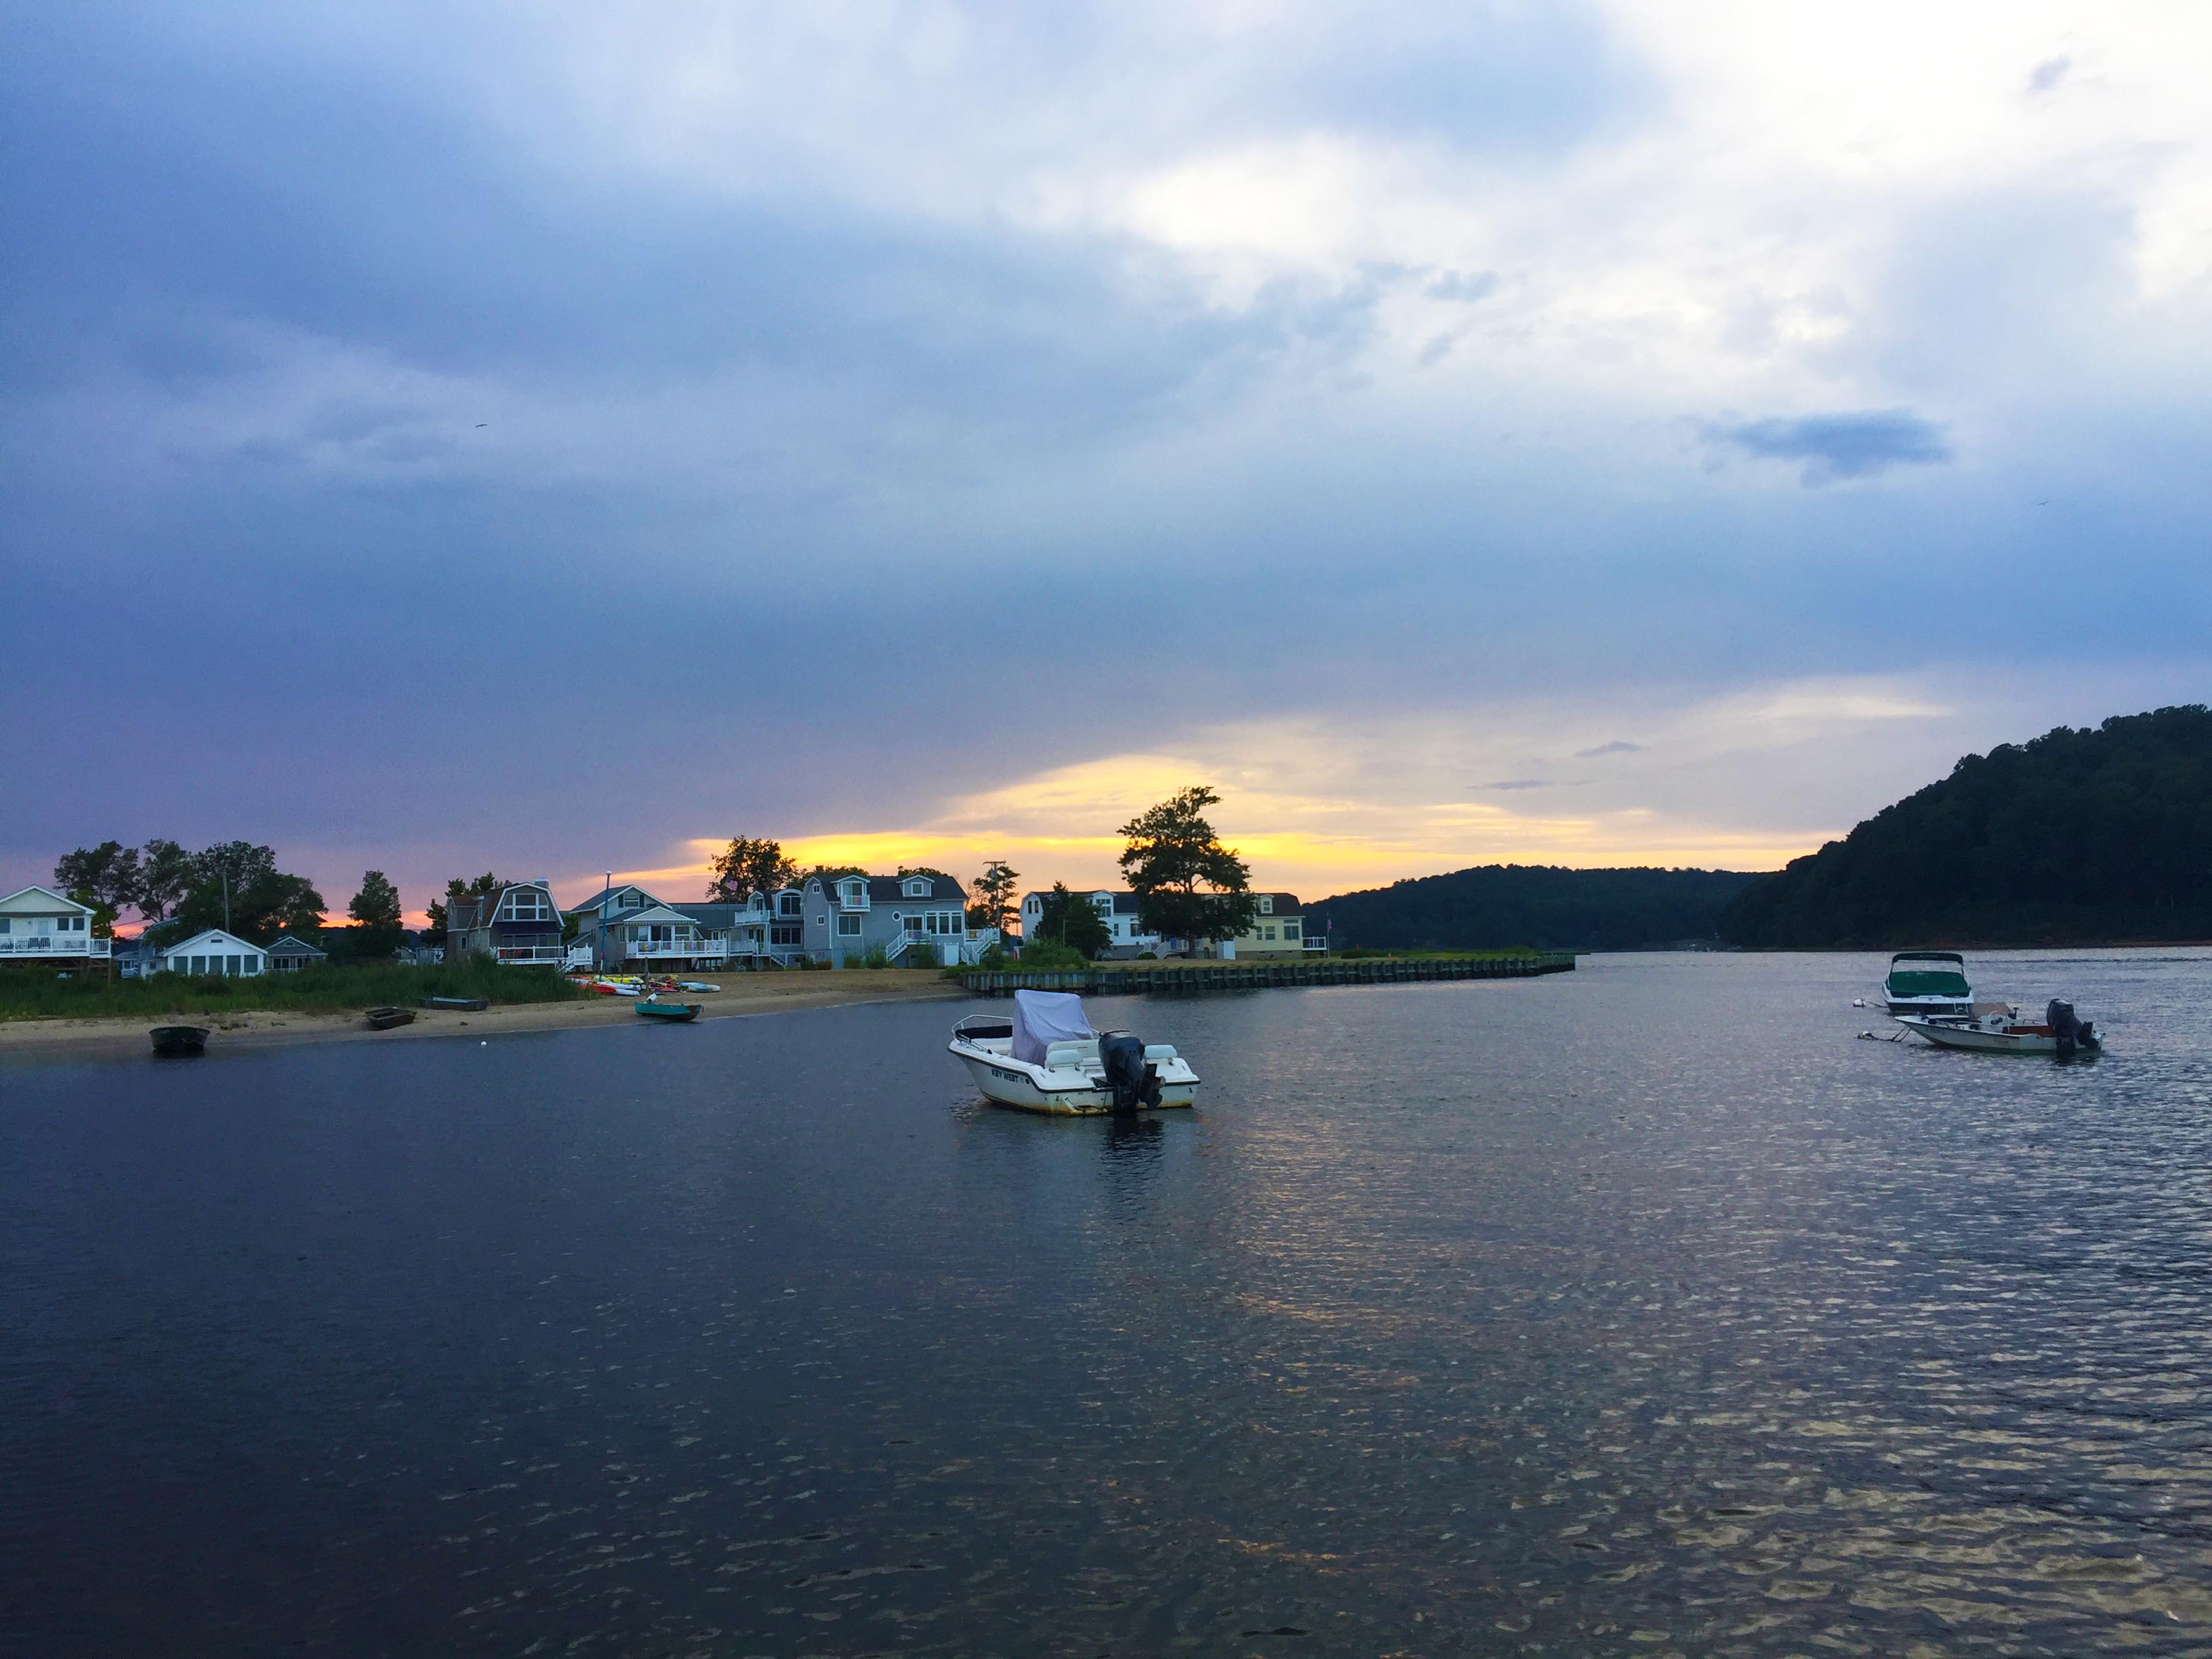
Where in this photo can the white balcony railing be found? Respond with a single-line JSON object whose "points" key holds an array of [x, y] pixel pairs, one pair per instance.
{"points": [[55, 944], [532, 956], [678, 947]]}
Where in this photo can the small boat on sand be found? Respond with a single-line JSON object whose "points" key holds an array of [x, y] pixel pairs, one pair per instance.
{"points": [[176, 1042], [653, 1009], [1047, 1059], [459, 1005], [696, 985], [1995, 1028], [383, 1019], [1932, 982]]}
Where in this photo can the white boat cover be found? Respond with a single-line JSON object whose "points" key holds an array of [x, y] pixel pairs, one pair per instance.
{"points": [[1044, 1017]]}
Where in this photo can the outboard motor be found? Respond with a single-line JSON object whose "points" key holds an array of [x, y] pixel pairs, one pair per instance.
{"points": [[1135, 1082], [2072, 1034]]}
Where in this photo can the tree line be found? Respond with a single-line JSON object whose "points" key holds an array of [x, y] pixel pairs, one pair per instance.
{"points": [[1543, 907], [2082, 835], [234, 885]]}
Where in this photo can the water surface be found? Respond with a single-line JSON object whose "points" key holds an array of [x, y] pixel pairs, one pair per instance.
{"points": [[1640, 1311]]}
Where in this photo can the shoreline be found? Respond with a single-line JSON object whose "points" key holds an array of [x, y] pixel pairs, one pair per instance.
{"points": [[114, 1036]]}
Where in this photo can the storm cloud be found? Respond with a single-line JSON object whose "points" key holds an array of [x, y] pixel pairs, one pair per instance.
{"points": [[445, 440]]}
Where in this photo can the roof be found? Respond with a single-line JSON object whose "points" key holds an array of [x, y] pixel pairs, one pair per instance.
{"points": [[606, 893], [63, 899], [716, 914], [289, 946], [1125, 903], [185, 945], [890, 890], [1287, 904], [466, 910]]}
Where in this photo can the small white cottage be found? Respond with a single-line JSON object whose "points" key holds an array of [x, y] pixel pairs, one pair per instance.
{"points": [[39, 923], [216, 952]]}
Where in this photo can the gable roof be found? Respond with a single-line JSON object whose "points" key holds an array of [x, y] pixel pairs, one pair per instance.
{"points": [[62, 903], [289, 946], [481, 907], [606, 897], [183, 947]]}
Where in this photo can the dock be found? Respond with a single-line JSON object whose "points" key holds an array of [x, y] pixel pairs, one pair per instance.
{"points": [[1174, 979]]}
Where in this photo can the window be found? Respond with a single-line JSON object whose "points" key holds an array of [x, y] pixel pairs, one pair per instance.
{"points": [[6, 925], [199, 964], [252, 966], [1290, 928], [782, 933], [787, 904], [1267, 904], [526, 904], [914, 924], [1268, 931], [848, 926], [917, 888]]}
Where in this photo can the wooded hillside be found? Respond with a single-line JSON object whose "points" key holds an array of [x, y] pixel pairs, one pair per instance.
{"points": [[2078, 836], [1537, 905]]}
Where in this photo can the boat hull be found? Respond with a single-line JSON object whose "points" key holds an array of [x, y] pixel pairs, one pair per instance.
{"points": [[1983, 1039], [178, 1042], [1003, 1084], [673, 1013], [385, 1019]]}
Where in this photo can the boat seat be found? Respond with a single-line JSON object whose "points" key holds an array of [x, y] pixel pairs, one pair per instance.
{"points": [[1156, 1052], [1068, 1056]]}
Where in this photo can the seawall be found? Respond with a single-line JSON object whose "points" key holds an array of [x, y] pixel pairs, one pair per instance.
{"points": [[1171, 979]]}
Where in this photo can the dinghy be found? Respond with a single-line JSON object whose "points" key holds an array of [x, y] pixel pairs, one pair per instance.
{"points": [[1047, 1059], [176, 1041], [669, 1011], [384, 1019]]}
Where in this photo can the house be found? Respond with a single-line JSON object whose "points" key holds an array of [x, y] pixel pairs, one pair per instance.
{"points": [[134, 958], [519, 925], [216, 952], [288, 955], [1278, 930], [39, 924], [846, 917], [627, 927], [740, 930], [1118, 911]]}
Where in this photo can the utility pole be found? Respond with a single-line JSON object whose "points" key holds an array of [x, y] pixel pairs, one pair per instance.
{"points": [[226, 901]]}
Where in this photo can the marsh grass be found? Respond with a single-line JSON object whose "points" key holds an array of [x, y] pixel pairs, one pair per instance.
{"points": [[32, 994]]}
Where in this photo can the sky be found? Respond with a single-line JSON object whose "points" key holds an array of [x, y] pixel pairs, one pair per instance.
{"points": [[560, 438]]}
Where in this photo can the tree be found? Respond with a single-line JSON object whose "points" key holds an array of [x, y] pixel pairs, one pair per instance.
{"points": [[1072, 919], [106, 876], [268, 903], [994, 896], [1188, 885], [103, 913], [439, 914], [376, 908], [165, 875], [745, 867], [830, 873]]}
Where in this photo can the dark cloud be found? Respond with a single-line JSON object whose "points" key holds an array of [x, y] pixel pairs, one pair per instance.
{"points": [[1616, 747], [1519, 783], [1857, 445], [2048, 74]]}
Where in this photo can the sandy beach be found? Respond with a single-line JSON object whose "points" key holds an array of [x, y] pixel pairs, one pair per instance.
{"points": [[742, 993]]}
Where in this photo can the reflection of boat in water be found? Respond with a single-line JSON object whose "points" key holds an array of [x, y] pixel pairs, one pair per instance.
{"points": [[1047, 1059], [1928, 983], [1995, 1028]]}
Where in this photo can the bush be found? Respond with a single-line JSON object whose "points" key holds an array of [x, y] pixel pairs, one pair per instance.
{"points": [[332, 988], [1049, 956]]}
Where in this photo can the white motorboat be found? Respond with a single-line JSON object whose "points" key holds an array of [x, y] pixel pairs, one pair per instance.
{"points": [[1995, 1028], [1932, 982], [1047, 1059]]}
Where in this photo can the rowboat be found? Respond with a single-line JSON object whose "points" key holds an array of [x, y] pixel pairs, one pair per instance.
{"points": [[176, 1041], [669, 1011], [460, 1004], [383, 1019], [1047, 1059]]}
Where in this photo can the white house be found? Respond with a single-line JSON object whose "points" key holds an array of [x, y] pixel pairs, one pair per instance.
{"points": [[1117, 910], [216, 952], [39, 924]]}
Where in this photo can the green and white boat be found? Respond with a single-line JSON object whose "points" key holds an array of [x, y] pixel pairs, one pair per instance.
{"points": [[1931, 984]]}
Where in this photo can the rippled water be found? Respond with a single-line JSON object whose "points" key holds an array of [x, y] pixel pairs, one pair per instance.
{"points": [[1641, 1311]]}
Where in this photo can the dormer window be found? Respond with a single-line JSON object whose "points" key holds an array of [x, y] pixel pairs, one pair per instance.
{"points": [[918, 887], [526, 904], [1267, 904]]}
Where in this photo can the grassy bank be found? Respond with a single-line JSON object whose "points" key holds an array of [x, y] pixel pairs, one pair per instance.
{"points": [[29, 993]]}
